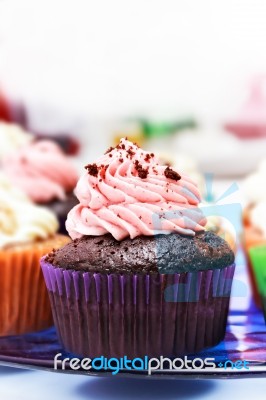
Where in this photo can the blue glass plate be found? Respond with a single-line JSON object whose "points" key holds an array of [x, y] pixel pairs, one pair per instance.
{"points": [[245, 340]]}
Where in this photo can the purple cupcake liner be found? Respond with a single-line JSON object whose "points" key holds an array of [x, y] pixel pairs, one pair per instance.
{"points": [[136, 315]]}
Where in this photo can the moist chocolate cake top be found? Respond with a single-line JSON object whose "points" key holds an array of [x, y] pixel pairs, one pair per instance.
{"points": [[172, 253]]}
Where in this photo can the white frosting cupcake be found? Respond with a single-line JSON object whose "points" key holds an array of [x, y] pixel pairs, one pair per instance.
{"points": [[12, 137]]}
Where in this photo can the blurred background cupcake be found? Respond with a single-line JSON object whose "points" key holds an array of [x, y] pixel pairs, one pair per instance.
{"points": [[12, 137], [46, 175], [254, 221], [27, 232]]}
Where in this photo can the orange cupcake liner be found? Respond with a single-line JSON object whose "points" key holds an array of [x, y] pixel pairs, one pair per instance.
{"points": [[24, 302]]}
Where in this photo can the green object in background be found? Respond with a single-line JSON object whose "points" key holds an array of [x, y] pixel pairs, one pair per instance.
{"points": [[165, 128], [258, 261]]}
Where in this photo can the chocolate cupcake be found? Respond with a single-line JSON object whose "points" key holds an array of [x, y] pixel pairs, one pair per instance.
{"points": [[141, 276], [46, 175]]}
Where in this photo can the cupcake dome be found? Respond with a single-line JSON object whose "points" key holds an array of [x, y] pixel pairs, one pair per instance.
{"points": [[166, 254]]}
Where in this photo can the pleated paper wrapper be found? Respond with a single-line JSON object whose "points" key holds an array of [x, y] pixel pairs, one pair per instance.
{"points": [[114, 315], [24, 301]]}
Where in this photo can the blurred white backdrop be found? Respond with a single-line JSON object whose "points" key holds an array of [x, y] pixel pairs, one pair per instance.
{"points": [[130, 56]]}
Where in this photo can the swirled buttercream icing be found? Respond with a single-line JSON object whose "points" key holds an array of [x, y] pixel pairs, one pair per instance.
{"points": [[127, 193], [20, 220], [42, 171]]}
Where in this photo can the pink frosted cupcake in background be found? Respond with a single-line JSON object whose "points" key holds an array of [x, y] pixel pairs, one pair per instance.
{"points": [[46, 175]]}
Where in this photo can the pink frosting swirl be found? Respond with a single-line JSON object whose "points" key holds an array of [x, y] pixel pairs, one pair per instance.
{"points": [[127, 193], [42, 171]]}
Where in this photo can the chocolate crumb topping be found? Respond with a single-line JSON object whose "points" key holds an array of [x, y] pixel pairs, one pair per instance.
{"points": [[109, 150], [92, 169], [130, 152], [142, 172], [171, 174], [148, 157], [120, 146]]}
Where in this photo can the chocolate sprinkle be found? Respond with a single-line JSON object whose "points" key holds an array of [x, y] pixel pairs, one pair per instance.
{"points": [[130, 152], [148, 156], [142, 172], [109, 150], [120, 146], [171, 174], [92, 169]]}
